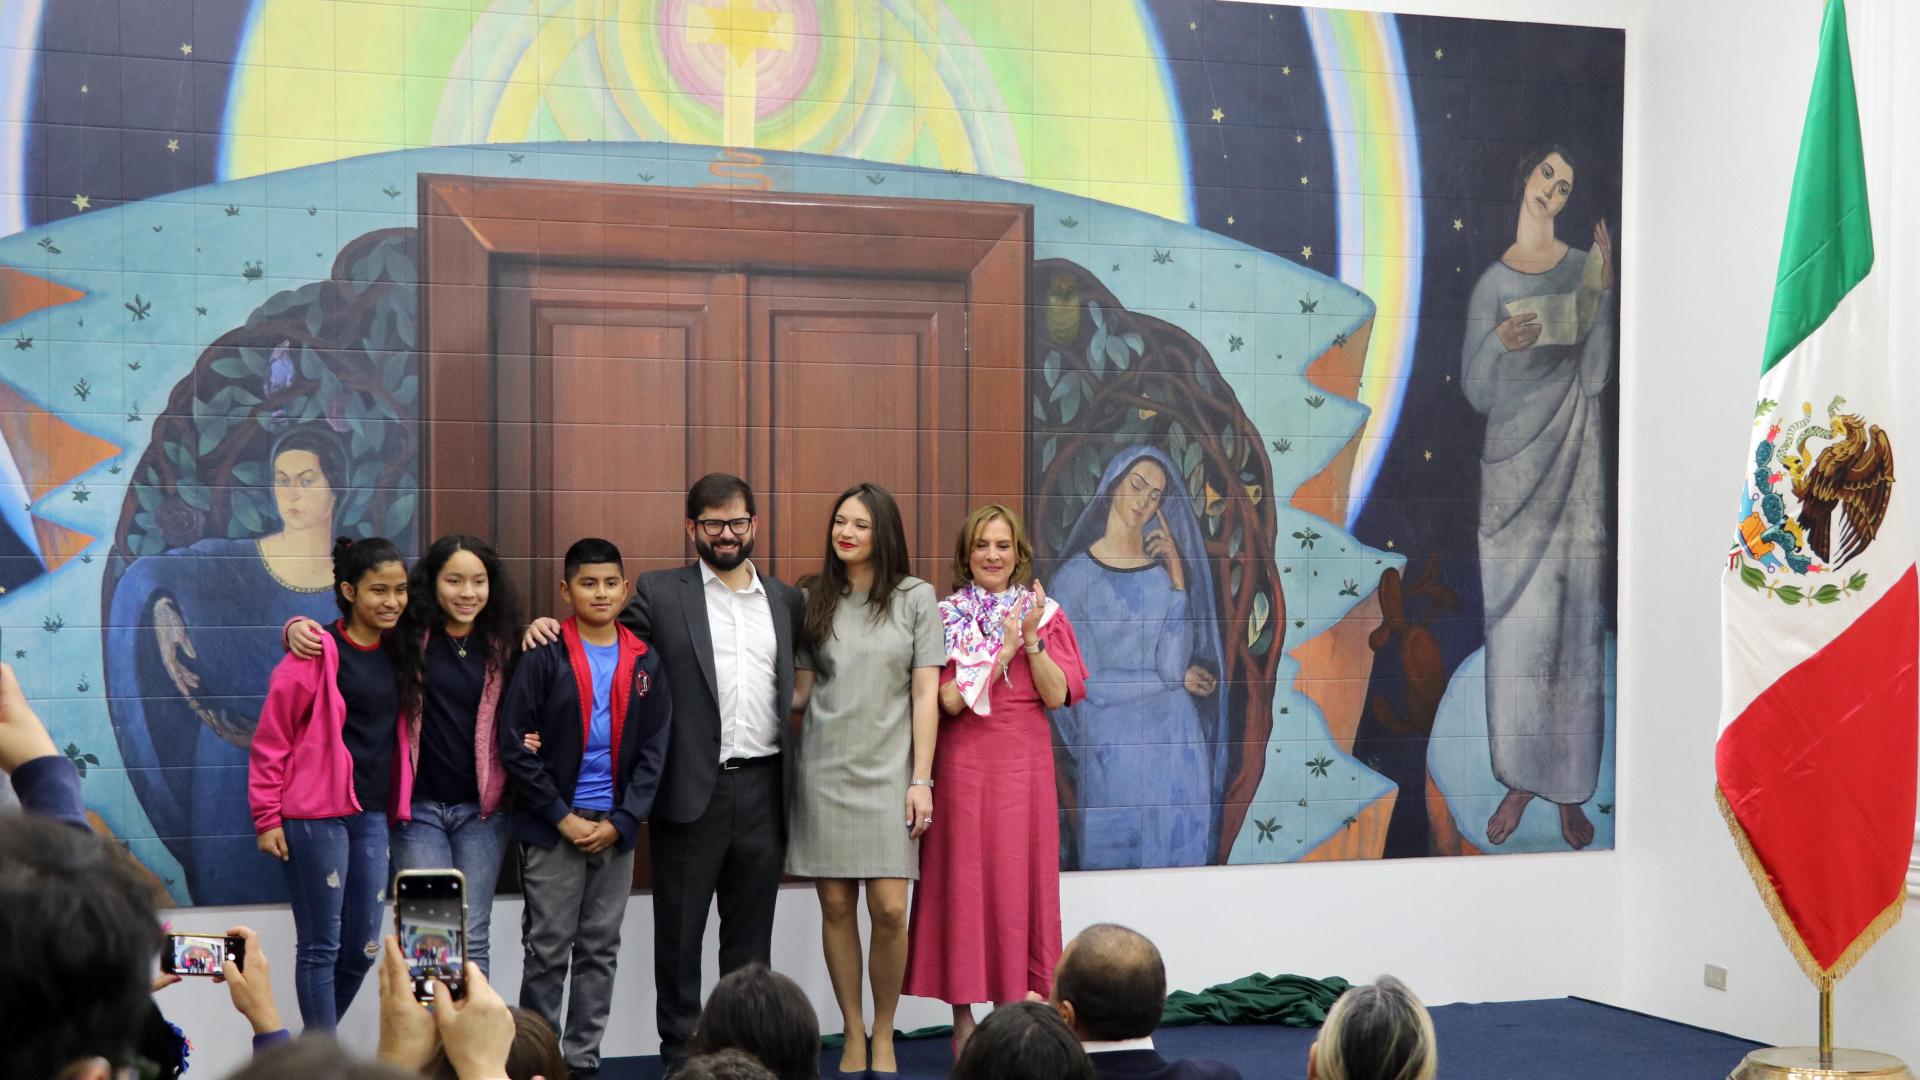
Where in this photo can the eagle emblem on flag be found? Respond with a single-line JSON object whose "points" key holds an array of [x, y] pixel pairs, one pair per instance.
{"points": [[1815, 499]]}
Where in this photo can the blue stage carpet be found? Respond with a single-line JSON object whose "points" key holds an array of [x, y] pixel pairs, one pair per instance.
{"points": [[1562, 1039]]}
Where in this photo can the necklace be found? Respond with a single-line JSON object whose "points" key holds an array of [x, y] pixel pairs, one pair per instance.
{"points": [[460, 643]]}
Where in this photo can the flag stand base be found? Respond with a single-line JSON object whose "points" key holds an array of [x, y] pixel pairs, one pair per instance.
{"points": [[1804, 1063]]}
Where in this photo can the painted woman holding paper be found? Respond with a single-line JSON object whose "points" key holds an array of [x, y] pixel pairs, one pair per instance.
{"points": [[1537, 359]]}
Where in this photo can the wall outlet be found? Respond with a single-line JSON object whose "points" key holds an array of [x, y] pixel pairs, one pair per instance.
{"points": [[1716, 978]]}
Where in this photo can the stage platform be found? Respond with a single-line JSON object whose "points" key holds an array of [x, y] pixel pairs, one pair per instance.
{"points": [[1559, 1039]]}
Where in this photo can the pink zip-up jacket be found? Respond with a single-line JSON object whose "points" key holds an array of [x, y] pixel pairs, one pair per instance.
{"points": [[299, 766], [486, 751]]}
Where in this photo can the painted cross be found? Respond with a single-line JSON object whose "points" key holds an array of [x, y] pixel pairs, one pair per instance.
{"points": [[744, 30]]}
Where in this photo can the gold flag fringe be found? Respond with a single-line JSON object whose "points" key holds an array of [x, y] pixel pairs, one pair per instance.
{"points": [[1822, 978]]}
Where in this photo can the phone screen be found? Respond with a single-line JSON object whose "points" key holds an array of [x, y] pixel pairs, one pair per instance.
{"points": [[199, 954], [430, 912]]}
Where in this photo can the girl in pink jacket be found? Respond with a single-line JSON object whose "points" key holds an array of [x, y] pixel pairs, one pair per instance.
{"points": [[327, 769], [453, 652]]}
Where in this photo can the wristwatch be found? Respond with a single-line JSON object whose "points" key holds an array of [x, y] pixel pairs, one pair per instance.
{"points": [[1039, 645]]}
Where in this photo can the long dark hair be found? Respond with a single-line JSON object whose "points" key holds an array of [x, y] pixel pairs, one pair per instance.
{"points": [[890, 565], [495, 629]]}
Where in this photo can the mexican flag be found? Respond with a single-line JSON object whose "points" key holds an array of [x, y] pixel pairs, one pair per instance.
{"points": [[1816, 757]]}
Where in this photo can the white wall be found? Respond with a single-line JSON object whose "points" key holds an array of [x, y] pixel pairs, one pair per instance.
{"points": [[1722, 87]]}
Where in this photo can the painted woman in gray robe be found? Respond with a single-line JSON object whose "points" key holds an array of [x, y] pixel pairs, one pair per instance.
{"points": [[1537, 358]]}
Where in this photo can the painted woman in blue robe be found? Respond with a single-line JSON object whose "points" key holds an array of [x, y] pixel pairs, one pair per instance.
{"points": [[1148, 742], [193, 635]]}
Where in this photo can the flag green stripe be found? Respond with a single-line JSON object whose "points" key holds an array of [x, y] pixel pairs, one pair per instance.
{"points": [[1828, 244]]}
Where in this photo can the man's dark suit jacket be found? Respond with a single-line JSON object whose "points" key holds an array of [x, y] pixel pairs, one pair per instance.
{"points": [[1149, 1065], [669, 612]]}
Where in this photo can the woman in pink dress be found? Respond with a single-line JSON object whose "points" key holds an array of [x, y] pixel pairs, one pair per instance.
{"points": [[986, 914]]}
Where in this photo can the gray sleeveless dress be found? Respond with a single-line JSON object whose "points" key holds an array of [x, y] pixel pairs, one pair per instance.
{"points": [[846, 811]]}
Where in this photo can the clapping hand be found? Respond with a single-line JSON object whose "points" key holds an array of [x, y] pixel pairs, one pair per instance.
{"points": [[1036, 604]]}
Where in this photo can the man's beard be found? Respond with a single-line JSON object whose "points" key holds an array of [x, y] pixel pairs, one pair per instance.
{"points": [[723, 562]]}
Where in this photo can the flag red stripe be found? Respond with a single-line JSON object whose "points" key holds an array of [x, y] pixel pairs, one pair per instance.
{"points": [[1819, 771]]}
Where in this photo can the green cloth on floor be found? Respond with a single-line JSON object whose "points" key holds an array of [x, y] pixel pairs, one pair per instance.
{"points": [[1293, 1000]]}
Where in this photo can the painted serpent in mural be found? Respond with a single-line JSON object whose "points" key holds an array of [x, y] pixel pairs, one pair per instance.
{"points": [[1538, 356]]}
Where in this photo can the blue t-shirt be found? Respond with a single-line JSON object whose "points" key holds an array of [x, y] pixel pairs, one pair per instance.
{"points": [[594, 789]]}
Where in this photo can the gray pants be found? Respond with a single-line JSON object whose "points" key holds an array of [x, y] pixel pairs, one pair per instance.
{"points": [[574, 904]]}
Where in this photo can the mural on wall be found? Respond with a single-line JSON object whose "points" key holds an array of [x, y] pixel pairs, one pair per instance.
{"points": [[1303, 322]]}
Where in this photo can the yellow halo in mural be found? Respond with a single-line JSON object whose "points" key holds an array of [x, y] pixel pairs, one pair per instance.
{"points": [[1080, 102]]}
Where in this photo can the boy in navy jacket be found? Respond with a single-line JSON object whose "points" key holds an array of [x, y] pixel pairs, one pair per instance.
{"points": [[598, 700]]}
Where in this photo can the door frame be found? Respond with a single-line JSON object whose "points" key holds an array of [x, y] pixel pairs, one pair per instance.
{"points": [[471, 225]]}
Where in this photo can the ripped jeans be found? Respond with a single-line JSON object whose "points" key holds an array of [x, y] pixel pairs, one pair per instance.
{"points": [[337, 873]]}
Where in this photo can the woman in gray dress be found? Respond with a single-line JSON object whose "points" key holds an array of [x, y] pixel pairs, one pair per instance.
{"points": [[867, 681], [1537, 357]]}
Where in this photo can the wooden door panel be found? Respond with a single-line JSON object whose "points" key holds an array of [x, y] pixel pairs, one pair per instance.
{"points": [[611, 384], [856, 371]]}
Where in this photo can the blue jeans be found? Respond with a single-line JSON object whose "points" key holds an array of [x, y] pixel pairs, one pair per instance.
{"points": [[337, 873], [443, 835]]}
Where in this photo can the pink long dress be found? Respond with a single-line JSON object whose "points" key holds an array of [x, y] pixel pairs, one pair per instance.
{"points": [[986, 912]]}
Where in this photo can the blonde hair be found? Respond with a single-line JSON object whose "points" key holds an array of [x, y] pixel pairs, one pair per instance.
{"points": [[1377, 1032], [970, 531]]}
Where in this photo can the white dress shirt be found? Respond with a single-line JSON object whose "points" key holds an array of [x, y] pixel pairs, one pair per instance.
{"points": [[743, 665], [1094, 1046]]}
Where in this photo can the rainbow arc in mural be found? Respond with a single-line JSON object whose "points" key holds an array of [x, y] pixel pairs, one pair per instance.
{"points": [[1378, 183]]}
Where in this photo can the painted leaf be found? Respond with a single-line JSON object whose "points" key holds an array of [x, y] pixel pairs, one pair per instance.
{"points": [[1257, 619], [1751, 576], [1099, 317], [246, 515], [1827, 594], [1789, 594], [195, 496]]}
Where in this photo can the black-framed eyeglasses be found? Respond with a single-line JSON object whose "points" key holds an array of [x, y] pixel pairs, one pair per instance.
{"points": [[713, 527]]}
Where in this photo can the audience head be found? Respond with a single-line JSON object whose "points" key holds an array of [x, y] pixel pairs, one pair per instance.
{"points": [[1110, 985], [317, 1057], [1375, 1032], [724, 1065], [535, 1053], [79, 932], [1024, 1041], [763, 1012]]}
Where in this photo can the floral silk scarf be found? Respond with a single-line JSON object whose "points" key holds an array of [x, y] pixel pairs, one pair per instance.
{"points": [[972, 619]]}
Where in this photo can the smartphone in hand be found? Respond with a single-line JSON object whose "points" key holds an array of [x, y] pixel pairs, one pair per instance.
{"points": [[430, 914], [201, 954]]}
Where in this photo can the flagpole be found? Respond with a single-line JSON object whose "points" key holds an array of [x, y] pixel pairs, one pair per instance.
{"points": [[1826, 1027]]}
